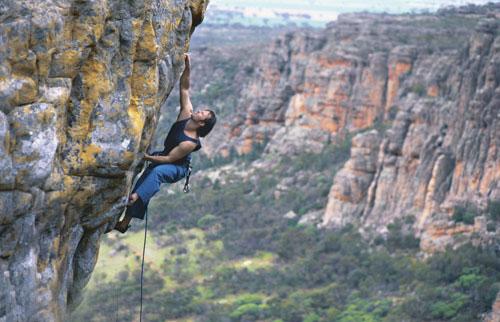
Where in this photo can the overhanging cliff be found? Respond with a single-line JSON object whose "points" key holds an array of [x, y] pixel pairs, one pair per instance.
{"points": [[81, 83]]}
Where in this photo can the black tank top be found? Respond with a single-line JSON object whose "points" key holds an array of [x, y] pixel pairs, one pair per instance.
{"points": [[175, 136]]}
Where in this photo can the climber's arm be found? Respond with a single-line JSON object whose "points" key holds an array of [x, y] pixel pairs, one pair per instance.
{"points": [[177, 153], [186, 106]]}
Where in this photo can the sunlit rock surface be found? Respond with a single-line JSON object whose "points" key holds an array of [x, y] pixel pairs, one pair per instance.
{"points": [[81, 83]]}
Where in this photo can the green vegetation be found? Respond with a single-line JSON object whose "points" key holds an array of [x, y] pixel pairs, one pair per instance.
{"points": [[493, 209], [338, 278], [418, 89], [438, 34], [465, 213], [225, 252]]}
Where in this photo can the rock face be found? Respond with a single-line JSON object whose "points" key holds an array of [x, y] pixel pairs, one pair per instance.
{"points": [[421, 95], [494, 315], [441, 148], [80, 88]]}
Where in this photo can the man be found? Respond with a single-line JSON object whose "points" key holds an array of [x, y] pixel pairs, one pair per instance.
{"points": [[171, 164]]}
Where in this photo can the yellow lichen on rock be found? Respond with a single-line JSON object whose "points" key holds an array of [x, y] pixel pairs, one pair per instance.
{"points": [[95, 86], [144, 86], [147, 48], [198, 8], [136, 120], [66, 63], [96, 82], [18, 90], [88, 155]]}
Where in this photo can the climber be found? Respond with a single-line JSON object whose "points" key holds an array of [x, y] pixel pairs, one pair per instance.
{"points": [[171, 164]]}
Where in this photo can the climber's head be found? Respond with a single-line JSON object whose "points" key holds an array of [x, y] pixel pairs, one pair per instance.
{"points": [[205, 119]]}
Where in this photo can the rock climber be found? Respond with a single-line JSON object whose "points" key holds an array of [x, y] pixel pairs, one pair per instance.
{"points": [[171, 164]]}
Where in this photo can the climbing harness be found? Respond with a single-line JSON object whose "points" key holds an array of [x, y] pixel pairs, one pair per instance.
{"points": [[187, 188], [142, 265]]}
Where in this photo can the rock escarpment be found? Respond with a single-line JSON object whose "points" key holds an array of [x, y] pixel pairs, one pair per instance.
{"points": [[422, 94], [441, 146], [81, 83]]}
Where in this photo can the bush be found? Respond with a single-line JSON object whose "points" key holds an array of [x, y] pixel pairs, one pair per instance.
{"points": [[418, 89], [206, 221], [177, 303], [312, 317], [398, 239], [493, 209], [360, 310], [465, 214], [249, 310], [296, 241]]}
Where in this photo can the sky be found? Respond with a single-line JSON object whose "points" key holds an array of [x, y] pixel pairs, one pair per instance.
{"points": [[323, 11]]}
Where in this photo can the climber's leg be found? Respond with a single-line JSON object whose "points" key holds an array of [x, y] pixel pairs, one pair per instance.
{"points": [[146, 187], [134, 196], [161, 173], [133, 208]]}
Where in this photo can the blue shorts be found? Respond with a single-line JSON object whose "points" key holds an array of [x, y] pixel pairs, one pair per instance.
{"points": [[149, 184]]}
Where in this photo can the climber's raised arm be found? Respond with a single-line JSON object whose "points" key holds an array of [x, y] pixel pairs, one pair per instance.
{"points": [[177, 153], [186, 106]]}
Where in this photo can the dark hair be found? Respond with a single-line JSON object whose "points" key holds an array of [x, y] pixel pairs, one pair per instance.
{"points": [[209, 124]]}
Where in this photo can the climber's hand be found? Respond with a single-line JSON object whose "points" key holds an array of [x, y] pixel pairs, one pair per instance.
{"points": [[185, 74]]}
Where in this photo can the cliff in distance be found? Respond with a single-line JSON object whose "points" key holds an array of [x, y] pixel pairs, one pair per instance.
{"points": [[421, 96], [81, 83]]}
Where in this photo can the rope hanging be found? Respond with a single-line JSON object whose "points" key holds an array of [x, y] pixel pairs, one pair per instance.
{"points": [[186, 190], [142, 265]]}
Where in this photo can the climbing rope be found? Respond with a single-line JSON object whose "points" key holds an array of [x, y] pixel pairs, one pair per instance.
{"points": [[142, 265], [186, 190]]}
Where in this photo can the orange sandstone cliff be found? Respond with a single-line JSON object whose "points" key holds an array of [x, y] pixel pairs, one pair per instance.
{"points": [[420, 94]]}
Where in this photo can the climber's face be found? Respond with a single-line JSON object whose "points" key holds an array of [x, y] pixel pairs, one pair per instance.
{"points": [[201, 116]]}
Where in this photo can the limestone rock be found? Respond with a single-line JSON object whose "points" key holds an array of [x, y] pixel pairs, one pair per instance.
{"points": [[349, 190], [312, 218], [81, 84]]}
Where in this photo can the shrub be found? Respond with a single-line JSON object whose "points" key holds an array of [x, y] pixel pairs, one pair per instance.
{"points": [[250, 310], [493, 209], [296, 241], [449, 308], [248, 299], [206, 221], [418, 89], [361, 310], [465, 214], [398, 239], [312, 317]]}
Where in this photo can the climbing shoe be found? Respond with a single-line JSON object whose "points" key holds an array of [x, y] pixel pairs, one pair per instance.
{"points": [[120, 227]]}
